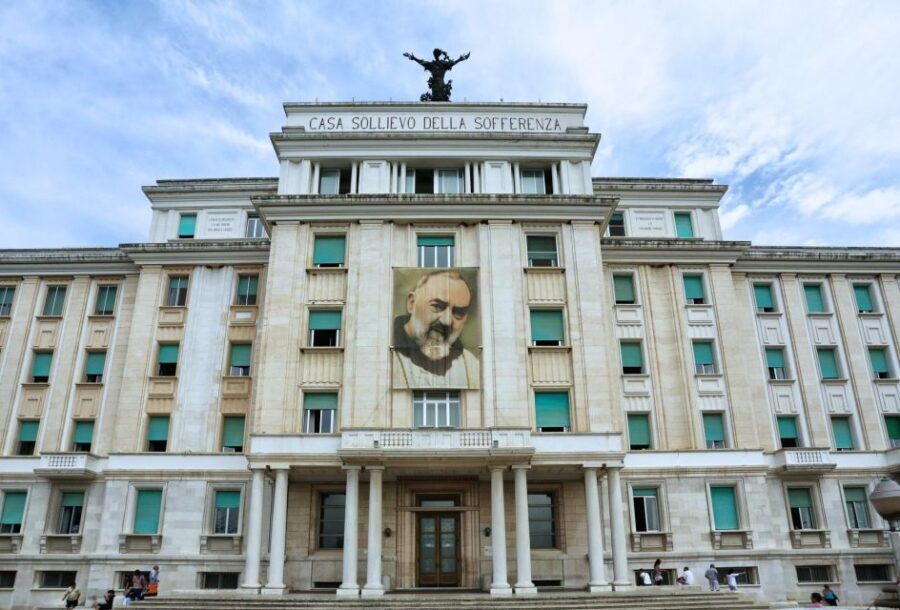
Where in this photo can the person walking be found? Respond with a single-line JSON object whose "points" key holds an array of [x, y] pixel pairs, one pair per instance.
{"points": [[712, 575], [687, 577], [657, 572], [731, 579], [72, 596], [830, 597]]}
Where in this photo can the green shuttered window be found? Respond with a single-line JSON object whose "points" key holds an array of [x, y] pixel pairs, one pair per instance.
{"points": [[40, 368], [828, 363], [325, 320], [247, 288], [714, 430], [328, 251], [158, 433], [93, 367], [632, 358], [72, 498], [28, 431], [434, 240], [639, 431], [693, 289], [84, 432], [724, 504], [187, 225], [53, 303], [228, 499], [623, 289], [892, 423], [843, 437], [813, 294], [146, 512], [233, 433], [763, 296], [787, 431], [6, 299], [168, 354], [704, 360], [683, 226], [863, 295], [13, 512], [552, 410], [774, 357], [106, 300], [542, 251], [547, 327], [878, 358], [857, 507], [239, 359]]}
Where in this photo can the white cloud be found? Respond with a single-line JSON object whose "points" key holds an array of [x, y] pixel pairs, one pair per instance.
{"points": [[730, 217]]}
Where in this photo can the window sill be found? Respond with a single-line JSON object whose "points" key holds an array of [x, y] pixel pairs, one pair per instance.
{"points": [[48, 318], [769, 314], [886, 380], [635, 375], [811, 538], [36, 384], [731, 539], [10, 543], [101, 316], [651, 541], [342, 269], [870, 314], [819, 314], [697, 305], [716, 375], [139, 543], [553, 270], [785, 381], [549, 348], [868, 537], [60, 543], [835, 381], [221, 543], [322, 348]]}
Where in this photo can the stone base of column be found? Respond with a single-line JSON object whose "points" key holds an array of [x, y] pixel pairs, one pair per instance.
{"points": [[623, 586], [348, 591], [501, 591], [251, 587], [602, 588], [373, 591], [270, 590], [525, 591]]}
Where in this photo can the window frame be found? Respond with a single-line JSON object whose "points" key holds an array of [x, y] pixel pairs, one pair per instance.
{"points": [[212, 510], [874, 302], [889, 571], [851, 430], [772, 373], [723, 416], [634, 291], [4, 491], [828, 568], [545, 180], [838, 364], [823, 296], [326, 235], [311, 332], [439, 181], [223, 448], [22, 445], [555, 514], [562, 341], [624, 225], [243, 300], [319, 494], [41, 378], [816, 516], [770, 286], [551, 390], [148, 447], [661, 520], [8, 300], [248, 234], [132, 505], [219, 577], [740, 504], [93, 377], [41, 578], [160, 371], [556, 255], [75, 444], [183, 292], [450, 254], [797, 427], [690, 216], [105, 288], [890, 370], [851, 515], [54, 524], [240, 370], [649, 418], [706, 299], [308, 419], [448, 405], [181, 217], [622, 367], [705, 368], [57, 300]]}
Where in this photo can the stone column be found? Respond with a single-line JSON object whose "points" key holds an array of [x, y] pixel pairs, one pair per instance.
{"points": [[276, 542], [373, 587], [617, 528], [349, 587], [597, 580], [254, 531], [499, 586], [524, 585]]}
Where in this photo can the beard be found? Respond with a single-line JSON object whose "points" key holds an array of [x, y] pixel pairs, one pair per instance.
{"points": [[434, 340]]}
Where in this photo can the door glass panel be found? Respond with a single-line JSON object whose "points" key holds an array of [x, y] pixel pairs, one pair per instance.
{"points": [[448, 545]]}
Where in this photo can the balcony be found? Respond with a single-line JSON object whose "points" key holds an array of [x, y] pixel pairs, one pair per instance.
{"points": [[731, 539], [430, 440], [803, 461], [811, 539], [72, 466], [651, 541], [60, 543]]}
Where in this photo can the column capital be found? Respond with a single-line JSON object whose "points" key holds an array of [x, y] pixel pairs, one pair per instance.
{"points": [[521, 466], [375, 467], [351, 467], [495, 467], [615, 467]]}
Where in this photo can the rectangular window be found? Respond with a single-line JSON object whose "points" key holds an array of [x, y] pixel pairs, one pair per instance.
{"points": [[813, 574], [157, 433], [228, 510], [70, 506], [639, 431], [683, 226], [420, 181], [693, 289], [632, 358], [40, 368], [536, 182], [255, 228], [7, 579], [146, 512], [714, 430], [449, 181], [436, 409], [892, 423], [330, 182], [724, 505], [646, 509], [863, 294], [106, 300], [319, 410], [704, 359], [168, 360], [325, 328], [329, 251], [542, 251], [93, 367], [873, 572], [787, 432], [857, 504], [814, 301], [617, 225], [56, 579], [547, 327], [13, 512], [83, 437], [6, 300], [435, 250], [239, 360], [177, 293], [54, 301], [828, 366], [800, 502], [775, 363], [762, 293], [843, 437], [220, 580], [28, 431], [878, 358], [331, 521], [187, 226], [623, 289], [552, 411], [233, 434], [247, 287], [542, 520]]}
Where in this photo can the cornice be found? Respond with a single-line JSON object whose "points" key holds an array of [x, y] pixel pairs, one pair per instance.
{"points": [[199, 252], [671, 251], [441, 106], [774, 259], [211, 190], [65, 261]]}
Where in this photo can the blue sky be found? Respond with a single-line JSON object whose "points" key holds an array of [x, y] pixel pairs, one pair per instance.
{"points": [[795, 105]]}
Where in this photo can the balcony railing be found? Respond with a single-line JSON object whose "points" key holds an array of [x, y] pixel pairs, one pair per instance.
{"points": [[804, 459], [436, 439], [68, 465]]}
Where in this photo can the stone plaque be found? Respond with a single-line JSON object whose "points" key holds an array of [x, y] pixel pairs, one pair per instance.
{"points": [[649, 223], [222, 224]]}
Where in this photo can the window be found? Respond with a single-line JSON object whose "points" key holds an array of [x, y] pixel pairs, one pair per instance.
{"points": [[187, 226], [863, 294], [83, 437], [7, 579], [28, 430], [177, 294], [331, 521], [233, 434], [646, 509], [13, 512], [157, 433], [419, 181], [168, 360], [724, 505], [542, 251], [436, 409], [639, 431], [6, 299], [800, 502], [247, 287], [319, 410], [70, 506], [255, 227], [814, 301], [542, 520], [828, 366], [146, 512], [330, 182], [813, 574], [878, 358], [746, 575], [704, 360], [857, 508], [435, 250], [683, 226], [763, 295], [220, 580], [547, 327], [325, 328], [239, 360], [617, 225], [775, 363], [40, 368], [57, 579], [623, 289], [714, 430], [873, 572], [106, 300], [449, 181], [693, 289], [536, 182], [843, 437], [552, 411], [228, 510], [329, 251], [892, 423], [787, 431], [93, 367], [53, 303], [632, 358]]}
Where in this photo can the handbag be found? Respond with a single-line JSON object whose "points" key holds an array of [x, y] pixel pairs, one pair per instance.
{"points": [[152, 588]]}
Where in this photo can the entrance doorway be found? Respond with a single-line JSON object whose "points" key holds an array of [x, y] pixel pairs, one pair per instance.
{"points": [[437, 541]]}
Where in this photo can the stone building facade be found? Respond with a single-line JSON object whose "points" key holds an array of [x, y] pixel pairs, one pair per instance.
{"points": [[435, 352]]}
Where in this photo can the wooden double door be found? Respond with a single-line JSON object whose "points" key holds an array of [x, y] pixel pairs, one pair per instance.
{"points": [[437, 549]]}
